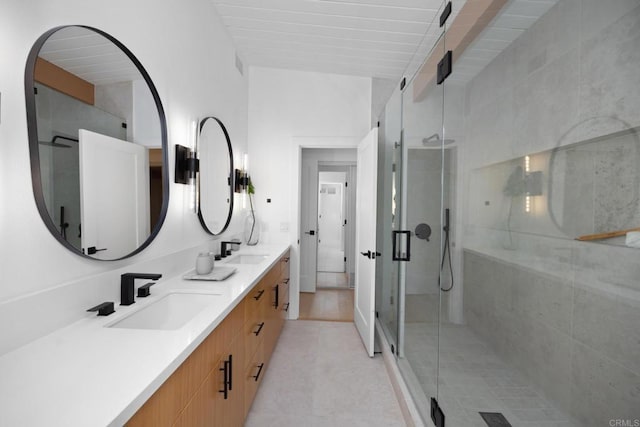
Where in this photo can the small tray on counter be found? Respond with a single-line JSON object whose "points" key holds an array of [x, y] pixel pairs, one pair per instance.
{"points": [[217, 274]]}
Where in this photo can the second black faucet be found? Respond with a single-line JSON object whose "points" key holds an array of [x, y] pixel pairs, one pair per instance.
{"points": [[223, 248]]}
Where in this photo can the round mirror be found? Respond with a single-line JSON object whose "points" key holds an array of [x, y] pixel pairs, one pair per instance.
{"points": [[97, 142], [594, 184], [215, 183]]}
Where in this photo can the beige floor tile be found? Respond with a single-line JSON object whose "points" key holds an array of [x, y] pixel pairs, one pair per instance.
{"points": [[320, 376]]}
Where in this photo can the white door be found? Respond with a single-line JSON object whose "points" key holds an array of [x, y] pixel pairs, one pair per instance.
{"points": [[331, 227], [364, 297], [308, 224], [114, 195]]}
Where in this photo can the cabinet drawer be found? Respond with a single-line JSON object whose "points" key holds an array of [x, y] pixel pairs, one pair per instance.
{"points": [[284, 265], [255, 331], [254, 371], [253, 302], [284, 305]]}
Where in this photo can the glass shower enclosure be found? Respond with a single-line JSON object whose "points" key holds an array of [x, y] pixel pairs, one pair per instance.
{"points": [[509, 222]]}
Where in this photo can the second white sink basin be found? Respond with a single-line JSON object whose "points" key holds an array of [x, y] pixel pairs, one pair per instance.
{"points": [[246, 259], [172, 311]]}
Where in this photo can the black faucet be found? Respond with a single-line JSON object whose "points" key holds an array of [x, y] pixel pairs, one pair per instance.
{"points": [[223, 248], [126, 285]]}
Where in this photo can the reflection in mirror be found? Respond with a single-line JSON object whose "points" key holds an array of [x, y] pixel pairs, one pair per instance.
{"points": [[97, 138], [588, 190], [594, 187], [215, 182]]}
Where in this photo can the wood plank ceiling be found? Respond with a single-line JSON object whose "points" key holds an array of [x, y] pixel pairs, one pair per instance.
{"points": [[372, 38], [89, 56]]}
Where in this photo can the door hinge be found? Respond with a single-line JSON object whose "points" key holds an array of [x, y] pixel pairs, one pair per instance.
{"points": [[346, 184], [437, 416], [445, 14], [403, 83], [377, 315], [445, 67], [345, 259], [393, 349]]}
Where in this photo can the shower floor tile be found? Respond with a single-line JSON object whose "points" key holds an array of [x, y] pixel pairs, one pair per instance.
{"points": [[473, 379]]}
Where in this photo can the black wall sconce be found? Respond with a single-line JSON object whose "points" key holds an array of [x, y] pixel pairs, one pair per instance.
{"points": [[241, 181], [187, 165]]}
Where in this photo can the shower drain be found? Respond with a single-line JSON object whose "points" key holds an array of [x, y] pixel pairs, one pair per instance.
{"points": [[495, 419]]}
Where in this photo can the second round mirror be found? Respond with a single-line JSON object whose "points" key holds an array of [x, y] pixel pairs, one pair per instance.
{"points": [[215, 179]]}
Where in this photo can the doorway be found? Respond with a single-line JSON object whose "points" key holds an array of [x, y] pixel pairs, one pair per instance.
{"points": [[328, 239]]}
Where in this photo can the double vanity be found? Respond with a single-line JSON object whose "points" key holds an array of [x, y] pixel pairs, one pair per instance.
{"points": [[183, 352], [192, 353]]}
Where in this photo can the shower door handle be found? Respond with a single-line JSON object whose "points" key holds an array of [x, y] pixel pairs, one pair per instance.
{"points": [[402, 256]]}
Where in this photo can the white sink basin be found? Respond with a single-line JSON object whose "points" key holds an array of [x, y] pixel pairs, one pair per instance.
{"points": [[246, 259], [170, 312]]}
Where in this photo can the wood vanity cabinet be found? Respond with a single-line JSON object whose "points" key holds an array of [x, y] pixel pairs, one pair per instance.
{"points": [[233, 357]]}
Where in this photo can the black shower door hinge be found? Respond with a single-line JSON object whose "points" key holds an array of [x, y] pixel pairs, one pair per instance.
{"points": [[403, 83], [437, 416], [445, 14], [445, 66]]}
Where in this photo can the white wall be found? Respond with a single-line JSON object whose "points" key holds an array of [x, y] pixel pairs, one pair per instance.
{"points": [[284, 104], [190, 58]]}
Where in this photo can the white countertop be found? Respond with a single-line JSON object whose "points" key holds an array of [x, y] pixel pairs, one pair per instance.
{"points": [[89, 375]]}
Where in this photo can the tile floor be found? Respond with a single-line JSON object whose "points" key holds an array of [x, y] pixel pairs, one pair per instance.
{"points": [[472, 378], [320, 375]]}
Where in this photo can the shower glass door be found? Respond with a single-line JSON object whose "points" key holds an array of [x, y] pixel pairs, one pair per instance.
{"points": [[423, 190], [389, 173]]}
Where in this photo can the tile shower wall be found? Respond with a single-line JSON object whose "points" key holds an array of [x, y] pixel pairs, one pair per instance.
{"points": [[572, 340], [424, 167], [565, 313]]}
